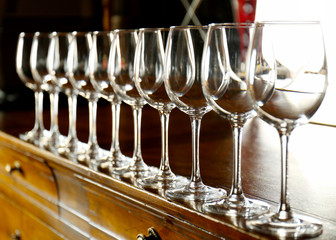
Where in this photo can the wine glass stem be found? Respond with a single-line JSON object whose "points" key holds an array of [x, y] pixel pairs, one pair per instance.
{"points": [[72, 102], [115, 147], [237, 132], [137, 155], [284, 212], [53, 114], [38, 125], [195, 180], [164, 165], [92, 141]]}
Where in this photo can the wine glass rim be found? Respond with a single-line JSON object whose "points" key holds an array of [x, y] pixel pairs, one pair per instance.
{"points": [[281, 22], [190, 27], [102, 32], [125, 30], [154, 29], [43, 34], [80, 33], [26, 34], [232, 25]]}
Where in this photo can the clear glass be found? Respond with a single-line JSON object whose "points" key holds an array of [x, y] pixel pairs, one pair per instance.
{"points": [[100, 81], [23, 69], [121, 74], [287, 81], [58, 69], [225, 88], [38, 59], [149, 74], [79, 76], [182, 79]]}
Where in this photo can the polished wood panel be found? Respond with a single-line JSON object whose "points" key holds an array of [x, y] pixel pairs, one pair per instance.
{"points": [[95, 201], [18, 223]]}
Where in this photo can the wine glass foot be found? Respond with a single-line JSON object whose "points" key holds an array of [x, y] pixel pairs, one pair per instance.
{"points": [[106, 165], [29, 136], [36, 137], [247, 208], [298, 226], [160, 184], [200, 194], [89, 160], [133, 173]]}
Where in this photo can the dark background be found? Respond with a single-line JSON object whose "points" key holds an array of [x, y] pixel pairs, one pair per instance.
{"points": [[83, 15]]}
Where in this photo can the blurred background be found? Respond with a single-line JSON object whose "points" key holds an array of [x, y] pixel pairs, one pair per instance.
{"points": [[95, 15], [89, 15]]}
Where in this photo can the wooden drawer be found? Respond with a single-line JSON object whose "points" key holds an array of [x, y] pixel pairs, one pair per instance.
{"points": [[18, 224], [120, 211], [29, 174]]}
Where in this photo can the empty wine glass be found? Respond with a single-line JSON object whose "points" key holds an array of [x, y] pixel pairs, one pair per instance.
{"points": [[79, 76], [38, 58], [149, 74], [121, 72], [225, 88], [182, 79], [99, 77], [287, 81], [23, 69], [58, 69]]}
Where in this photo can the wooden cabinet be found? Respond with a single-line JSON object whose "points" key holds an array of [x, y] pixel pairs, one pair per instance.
{"points": [[54, 197], [44, 196], [20, 224]]}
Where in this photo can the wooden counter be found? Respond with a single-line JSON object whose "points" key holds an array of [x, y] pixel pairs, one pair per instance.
{"points": [[53, 198]]}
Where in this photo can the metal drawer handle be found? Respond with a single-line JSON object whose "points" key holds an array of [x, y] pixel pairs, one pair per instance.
{"points": [[16, 235], [152, 235], [16, 167]]}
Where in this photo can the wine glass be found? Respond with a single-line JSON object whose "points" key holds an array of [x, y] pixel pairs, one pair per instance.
{"points": [[287, 81], [79, 76], [99, 55], [182, 79], [38, 59], [58, 69], [149, 74], [121, 75], [23, 52], [225, 88]]}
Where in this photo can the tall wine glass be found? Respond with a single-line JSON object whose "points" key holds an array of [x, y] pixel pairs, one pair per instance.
{"points": [[38, 58], [121, 72], [24, 71], [182, 78], [149, 75], [79, 76], [225, 88], [287, 81], [99, 55], [58, 69]]}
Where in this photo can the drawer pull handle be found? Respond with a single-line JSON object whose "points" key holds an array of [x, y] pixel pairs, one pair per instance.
{"points": [[16, 167], [16, 235], [152, 235]]}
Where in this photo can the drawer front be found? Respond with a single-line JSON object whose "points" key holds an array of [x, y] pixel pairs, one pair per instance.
{"points": [[117, 216], [18, 224], [30, 175], [27, 173]]}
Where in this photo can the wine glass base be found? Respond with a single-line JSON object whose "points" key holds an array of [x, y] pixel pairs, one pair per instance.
{"points": [[297, 227], [28, 136], [246, 208], [109, 163], [159, 184], [133, 173], [38, 138], [200, 194], [89, 160]]}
